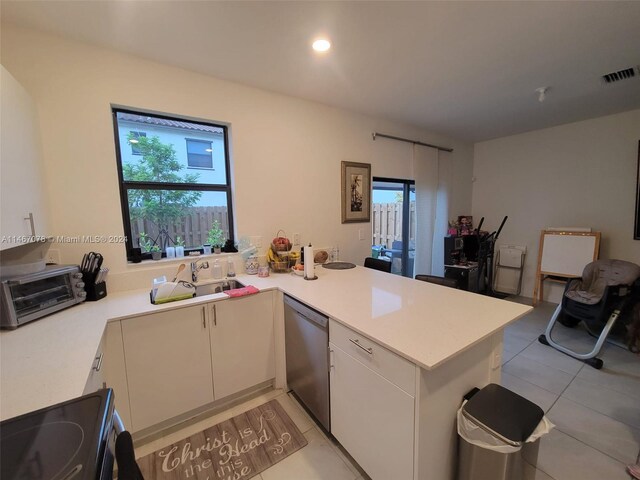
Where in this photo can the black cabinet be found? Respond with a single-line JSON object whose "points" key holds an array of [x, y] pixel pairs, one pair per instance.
{"points": [[467, 277]]}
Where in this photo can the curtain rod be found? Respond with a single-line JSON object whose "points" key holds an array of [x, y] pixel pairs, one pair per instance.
{"points": [[415, 142]]}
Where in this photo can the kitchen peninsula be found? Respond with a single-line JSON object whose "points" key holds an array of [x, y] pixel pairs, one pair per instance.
{"points": [[431, 345]]}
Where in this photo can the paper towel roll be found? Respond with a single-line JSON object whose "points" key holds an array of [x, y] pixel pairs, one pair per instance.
{"points": [[309, 272]]}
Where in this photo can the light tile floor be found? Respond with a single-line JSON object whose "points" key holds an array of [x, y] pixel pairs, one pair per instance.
{"points": [[596, 412]]}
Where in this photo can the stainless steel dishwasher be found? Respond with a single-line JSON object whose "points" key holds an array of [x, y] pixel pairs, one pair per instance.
{"points": [[307, 350]]}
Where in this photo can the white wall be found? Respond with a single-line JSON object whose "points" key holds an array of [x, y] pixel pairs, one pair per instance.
{"points": [[579, 174], [286, 152]]}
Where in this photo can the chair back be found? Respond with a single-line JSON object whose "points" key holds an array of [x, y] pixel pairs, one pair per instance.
{"points": [[127, 466], [377, 264], [447, 282]]}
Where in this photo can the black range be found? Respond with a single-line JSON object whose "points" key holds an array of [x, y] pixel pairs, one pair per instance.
{"points": [[70, 440]]}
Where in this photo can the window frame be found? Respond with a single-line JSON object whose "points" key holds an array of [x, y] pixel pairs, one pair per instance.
{"points": [[197, 140], [133, 145], [125, 185]]}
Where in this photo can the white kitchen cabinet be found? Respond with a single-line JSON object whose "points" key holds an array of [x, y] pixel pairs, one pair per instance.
{"points": [[108, 370], [96, 379], [115, 374], [23, 211], [168, 363], [242, 343], [371, 416]]}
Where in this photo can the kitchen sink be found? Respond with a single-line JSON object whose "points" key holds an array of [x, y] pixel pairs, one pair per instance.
{"points": [[217, 287]]}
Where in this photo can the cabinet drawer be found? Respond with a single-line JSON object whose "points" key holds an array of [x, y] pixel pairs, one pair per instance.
{"points": [[394, 368]]}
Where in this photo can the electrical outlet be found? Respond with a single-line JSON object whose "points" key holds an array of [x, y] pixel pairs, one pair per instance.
{"points": [[54, 256], [360, 234], [296, 239]]}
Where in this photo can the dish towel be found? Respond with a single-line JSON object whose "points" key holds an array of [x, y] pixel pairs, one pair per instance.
{"points": [[241, 292]]}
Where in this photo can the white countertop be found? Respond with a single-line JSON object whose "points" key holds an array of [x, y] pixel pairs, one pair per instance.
{"points": [[48, 361]]}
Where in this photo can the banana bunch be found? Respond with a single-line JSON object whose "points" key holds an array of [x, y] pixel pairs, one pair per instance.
{"points": [[282, 256], [294, 257], [272, 256]]}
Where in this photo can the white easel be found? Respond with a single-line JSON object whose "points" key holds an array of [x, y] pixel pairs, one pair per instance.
{"points": [[562, 256]]}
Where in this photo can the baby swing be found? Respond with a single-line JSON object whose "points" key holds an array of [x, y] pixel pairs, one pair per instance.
{"points": [[605, 292]]}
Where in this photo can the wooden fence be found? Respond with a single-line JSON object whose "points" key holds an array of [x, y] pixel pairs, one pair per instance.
{"points": [[193, 228], [387, 223]]}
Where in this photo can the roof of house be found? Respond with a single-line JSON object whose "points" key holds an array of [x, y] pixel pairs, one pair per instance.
{"points": [[164, 122]]}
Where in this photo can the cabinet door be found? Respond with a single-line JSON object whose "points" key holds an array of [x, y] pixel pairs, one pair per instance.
{"points": [[242, 348], [96, 379], [168, 364], [21, 191], [115, 373], [372, 418]]}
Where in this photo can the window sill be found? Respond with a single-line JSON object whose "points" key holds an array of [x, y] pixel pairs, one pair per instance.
{"points": [[178, 260]]}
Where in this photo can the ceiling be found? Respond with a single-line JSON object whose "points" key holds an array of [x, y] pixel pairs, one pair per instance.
{"points": [[465, 69]]}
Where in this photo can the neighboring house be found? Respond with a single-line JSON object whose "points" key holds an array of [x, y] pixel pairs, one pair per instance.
{"points": [[199, 148]]}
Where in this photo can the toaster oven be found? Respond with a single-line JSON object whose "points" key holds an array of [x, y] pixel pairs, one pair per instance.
{"points": [[34, 295]]}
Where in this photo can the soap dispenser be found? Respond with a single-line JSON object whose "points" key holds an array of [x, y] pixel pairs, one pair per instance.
{"points": [[217, 270]]}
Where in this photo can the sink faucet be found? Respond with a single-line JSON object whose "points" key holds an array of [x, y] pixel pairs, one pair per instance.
{"points": [[195, 268]]}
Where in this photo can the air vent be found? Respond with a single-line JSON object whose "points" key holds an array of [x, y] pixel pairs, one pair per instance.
{"points": [[620, 75]]}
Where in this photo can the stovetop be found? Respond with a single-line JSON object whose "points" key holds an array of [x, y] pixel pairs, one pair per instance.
{"points": [[62, 442]]}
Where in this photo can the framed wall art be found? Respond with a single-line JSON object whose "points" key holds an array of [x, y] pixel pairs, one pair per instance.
{"points": [[356, 192]]}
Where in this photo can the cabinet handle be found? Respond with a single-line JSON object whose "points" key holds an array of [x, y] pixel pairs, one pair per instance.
{"points": [[31, 223], [331, 365], [215, 316], [204, 317], [356, 342], [98, 366]]}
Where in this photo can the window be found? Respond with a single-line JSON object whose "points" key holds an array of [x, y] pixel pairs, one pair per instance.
{"points": [[199, 153], [164, 203], [134, 140]]}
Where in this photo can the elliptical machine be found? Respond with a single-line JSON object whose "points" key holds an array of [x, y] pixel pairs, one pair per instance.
{"points": [[486, 248]]}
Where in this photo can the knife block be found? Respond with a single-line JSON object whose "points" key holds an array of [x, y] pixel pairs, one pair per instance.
{"points": [[95, 291]]}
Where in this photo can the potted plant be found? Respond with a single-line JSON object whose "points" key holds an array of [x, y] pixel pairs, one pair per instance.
{"points": [[156, 253], [150, 246], [179, 247], [216, 236]]}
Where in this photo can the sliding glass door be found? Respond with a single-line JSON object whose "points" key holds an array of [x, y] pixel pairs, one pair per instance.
{"points": [[394, 223]]}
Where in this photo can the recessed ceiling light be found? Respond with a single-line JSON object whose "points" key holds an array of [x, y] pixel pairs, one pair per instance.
{"points": [[321, 45]]}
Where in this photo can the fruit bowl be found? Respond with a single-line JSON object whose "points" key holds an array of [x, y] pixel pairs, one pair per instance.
{"points": [[300, 273], [281, 243], [279, 267]]}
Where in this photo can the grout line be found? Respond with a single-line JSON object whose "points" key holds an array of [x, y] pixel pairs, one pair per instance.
{"points": [[533, 384], [597, 411], [516, 353], [534, 466], [544, 366], [591, 446]]}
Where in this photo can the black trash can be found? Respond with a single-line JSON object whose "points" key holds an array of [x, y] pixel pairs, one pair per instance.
{"points": [[497, 422]]}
